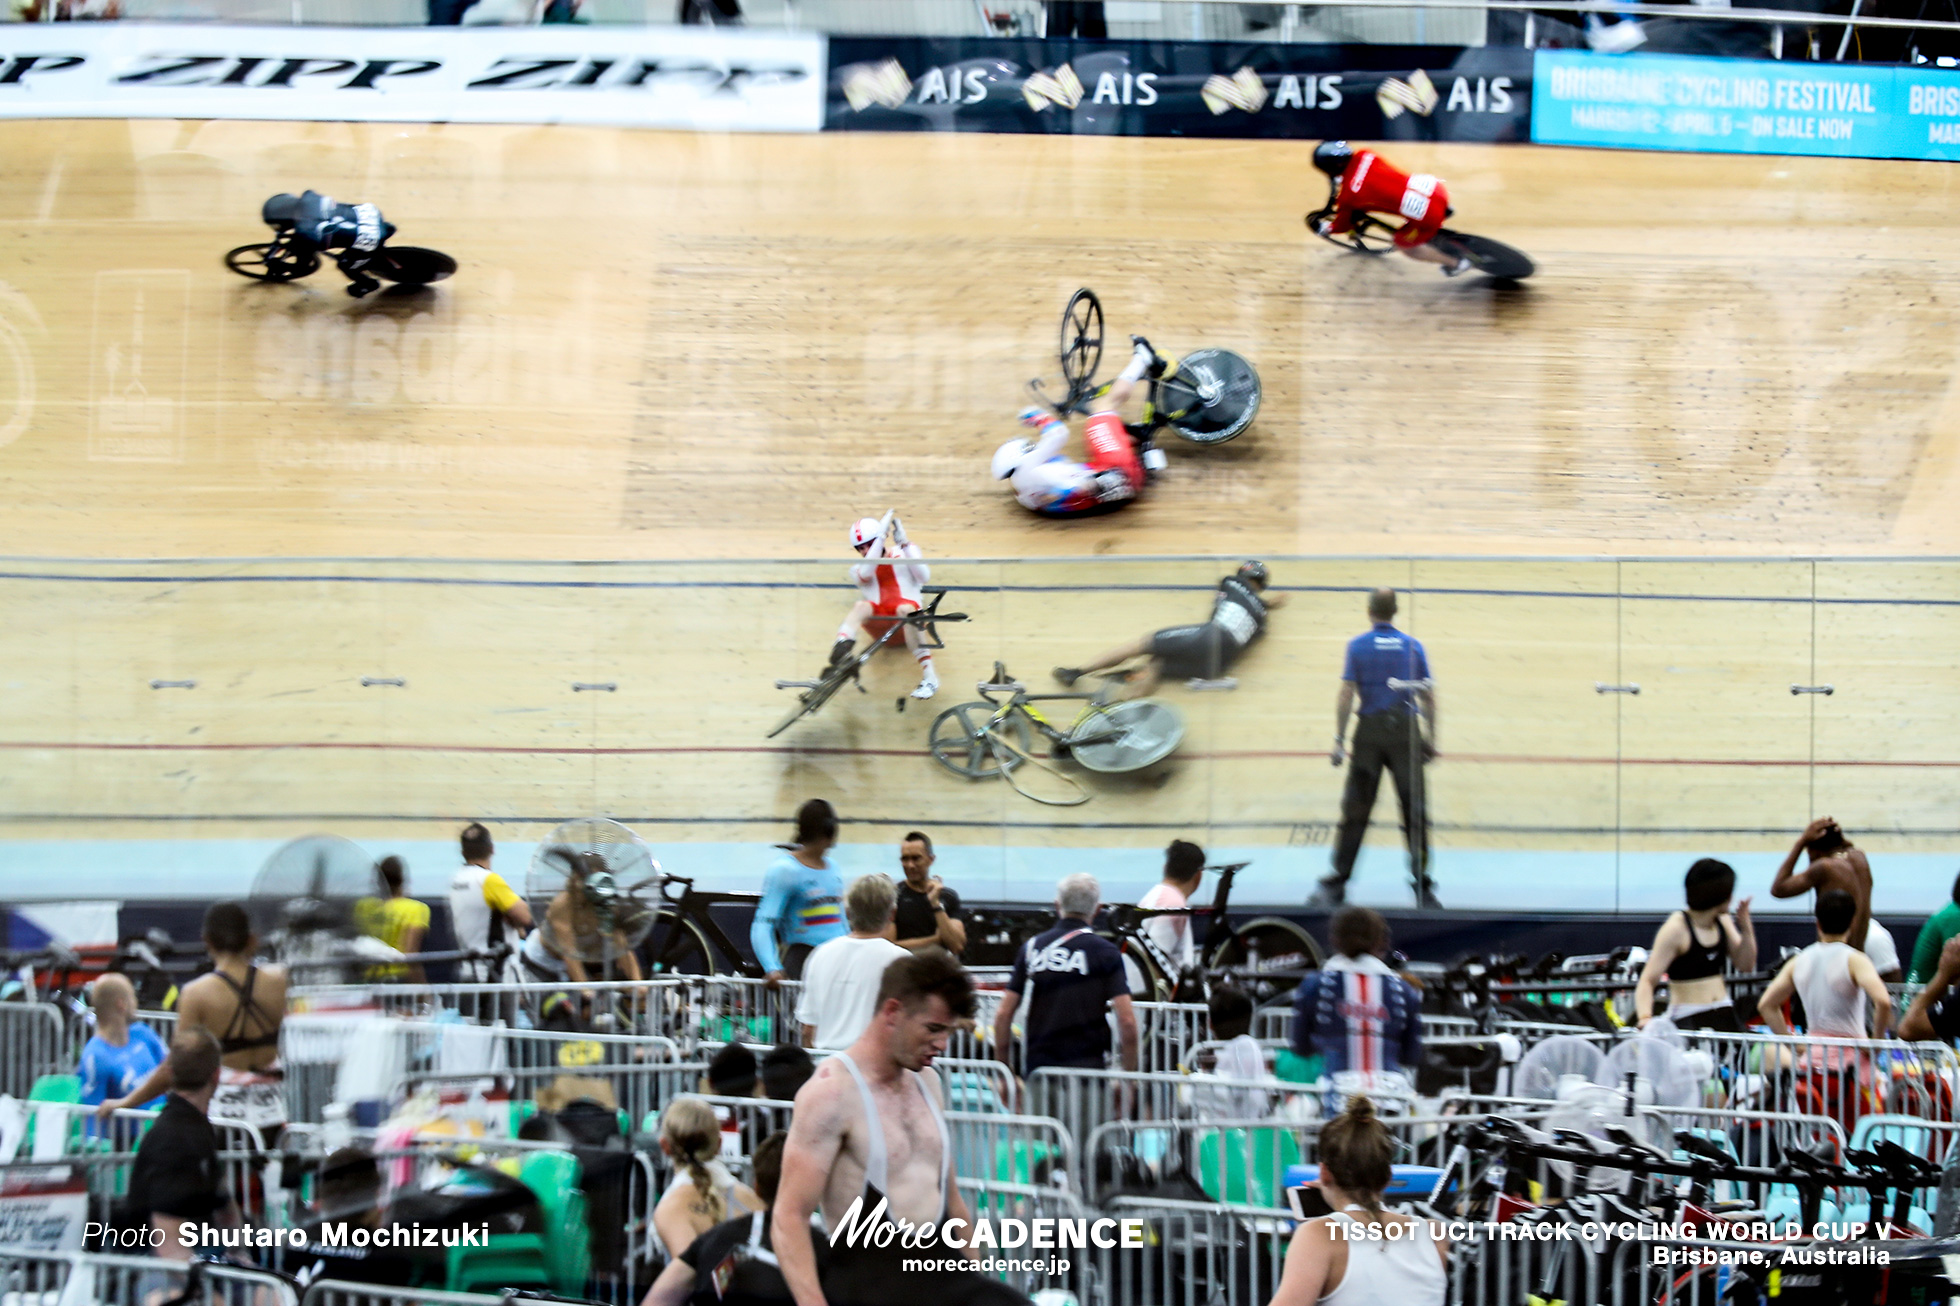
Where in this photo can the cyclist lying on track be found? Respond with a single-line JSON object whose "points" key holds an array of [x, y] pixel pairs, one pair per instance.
{"points": [[1369, 184], [357, 230], [890, 590], [1206, 652], [1046, 482]]}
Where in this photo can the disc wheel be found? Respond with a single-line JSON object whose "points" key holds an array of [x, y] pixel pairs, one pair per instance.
{"points": [[272, 262], [1126, 736], [959, 741], [1265, 955], [1493, 258], [411, 265], [1147, 981], [676, 946], [1213, 396], [1082, 337]]}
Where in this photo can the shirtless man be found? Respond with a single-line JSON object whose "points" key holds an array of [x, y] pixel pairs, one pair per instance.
{"points": [[1836, 864], [870, 1128]]}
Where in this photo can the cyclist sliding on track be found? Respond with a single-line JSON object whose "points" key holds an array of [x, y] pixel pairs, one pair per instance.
{"points": [[1046, 482], [1370, 184], [890, 590]]}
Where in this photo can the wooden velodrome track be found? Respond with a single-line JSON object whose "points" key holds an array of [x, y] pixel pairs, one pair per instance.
{"points": [[679, 347]]}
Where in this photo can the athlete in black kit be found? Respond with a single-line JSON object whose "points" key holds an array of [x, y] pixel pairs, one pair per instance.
{"points": [[356, 231], [1201, 652]]}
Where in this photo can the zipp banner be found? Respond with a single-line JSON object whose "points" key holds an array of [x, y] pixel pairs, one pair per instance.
{"points": [[699, 78]]}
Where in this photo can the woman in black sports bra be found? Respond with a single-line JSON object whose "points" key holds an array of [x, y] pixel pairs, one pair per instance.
{"points": [[243, 1004], [1694, 947]]}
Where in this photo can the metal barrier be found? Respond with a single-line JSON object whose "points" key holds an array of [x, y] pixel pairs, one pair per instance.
{"points": [[162, 1023], [1844, 1079], [105, 1151], [638, 1090], [333, 1292], [34, 1041], [995, 1200], [132, 1281], [1008, 1149], [1084, 1100], [1195, 1254]]}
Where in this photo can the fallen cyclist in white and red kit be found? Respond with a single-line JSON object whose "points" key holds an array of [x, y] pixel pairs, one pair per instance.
{"points": [[892, 582], [1046, 482]]}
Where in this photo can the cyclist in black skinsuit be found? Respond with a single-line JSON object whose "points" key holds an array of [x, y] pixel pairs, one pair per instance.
{"points": [[356, 231], [1202, 652]]}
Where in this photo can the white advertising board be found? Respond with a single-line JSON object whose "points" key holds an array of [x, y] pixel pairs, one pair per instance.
{"points": [[696, 78]]}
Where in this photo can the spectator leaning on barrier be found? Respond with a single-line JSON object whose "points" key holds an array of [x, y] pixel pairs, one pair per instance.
{"points": [[481, 905], [1835, 863], [1944, 924], [841, 979], [1935, 1012], [929, 913], [120, 1055], [1834, 979], [734, 1263], [1184, 871], [1069, 979], [1356, 1013], [176, 1179], [1366, 1264], [1692, 948]]}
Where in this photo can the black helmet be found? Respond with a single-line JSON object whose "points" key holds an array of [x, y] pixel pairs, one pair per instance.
{"points": [[280, 210], [1332, 157], [1253, 573]]}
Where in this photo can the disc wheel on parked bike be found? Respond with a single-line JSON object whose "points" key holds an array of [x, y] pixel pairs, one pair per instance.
{"points": [[412, 265], [959, 741], [1126, 736], [1082, 337], [1264, 957], [1212, 397], [272, 262], [676, 946], [1493, 258]]}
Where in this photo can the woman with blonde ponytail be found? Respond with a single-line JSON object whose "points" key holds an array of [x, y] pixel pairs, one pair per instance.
{"points": [[703, 1193], [1339, 1259]]}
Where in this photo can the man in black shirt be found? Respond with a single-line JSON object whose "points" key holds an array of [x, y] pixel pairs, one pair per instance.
{"points": [[1069, 978], [734, 1263], [929, 913], [1935, 1013], [1202, 652], [176, 1181]]}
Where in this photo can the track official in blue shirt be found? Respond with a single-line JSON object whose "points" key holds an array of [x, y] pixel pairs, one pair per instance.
{"points": [[1389, 673]]}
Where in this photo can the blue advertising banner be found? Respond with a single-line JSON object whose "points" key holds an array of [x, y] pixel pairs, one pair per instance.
{"points": [[1167, 88], [1745, 106]]}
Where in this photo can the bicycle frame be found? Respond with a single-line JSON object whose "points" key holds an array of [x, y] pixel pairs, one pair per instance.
{"points": [[693, 907]]}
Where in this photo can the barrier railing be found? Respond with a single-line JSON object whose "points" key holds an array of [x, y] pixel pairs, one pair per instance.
{"points": [[1195, 1254], [34, 1041], [93, 1279], [334, 1292], [103, 1151], [1841, 1078]]}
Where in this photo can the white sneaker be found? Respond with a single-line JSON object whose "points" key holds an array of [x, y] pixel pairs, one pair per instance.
{"points": [[928, 682]]}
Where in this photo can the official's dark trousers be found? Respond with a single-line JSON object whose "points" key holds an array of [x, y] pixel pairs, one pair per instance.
{"points": [[1390, 740]]}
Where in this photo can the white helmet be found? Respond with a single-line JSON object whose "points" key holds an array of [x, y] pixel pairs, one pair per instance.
{"points": [[1010, 456], [864, 532]]}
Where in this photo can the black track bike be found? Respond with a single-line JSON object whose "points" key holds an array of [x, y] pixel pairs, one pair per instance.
{"points": [[1370, 235], [288, 256]]}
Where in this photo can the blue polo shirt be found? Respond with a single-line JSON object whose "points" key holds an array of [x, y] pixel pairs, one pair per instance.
{"points": [[1382, 655]]}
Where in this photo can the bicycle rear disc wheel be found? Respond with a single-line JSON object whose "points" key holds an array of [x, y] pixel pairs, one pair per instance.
{"points": [[959, 738], [272, 262], [1126, 736], [676, 946], [412, 265], [1493, 258], [1213, 397], [1082, 336], [1282, 949]]}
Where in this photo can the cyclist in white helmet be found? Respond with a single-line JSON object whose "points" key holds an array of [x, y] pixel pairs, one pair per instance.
{"points": [[888, 590]]}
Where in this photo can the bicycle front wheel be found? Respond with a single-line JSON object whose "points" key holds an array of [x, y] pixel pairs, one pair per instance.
{"points": [[272, 262], [1126, 736], [969, 742], [1264, 957], [1213, 396]]}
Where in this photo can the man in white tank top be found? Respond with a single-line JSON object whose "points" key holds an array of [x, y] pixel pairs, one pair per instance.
{"points": [[1834, 979], [869, 1132]]}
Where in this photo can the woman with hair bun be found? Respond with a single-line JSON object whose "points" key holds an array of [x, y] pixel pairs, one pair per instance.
{"points": [[1361, 1255]]}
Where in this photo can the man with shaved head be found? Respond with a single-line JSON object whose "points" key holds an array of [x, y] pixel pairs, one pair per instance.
{"points": [[1389, 673]]}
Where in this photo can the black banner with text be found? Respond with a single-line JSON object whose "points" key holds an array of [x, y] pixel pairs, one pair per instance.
{"points": [[1166, 88]]}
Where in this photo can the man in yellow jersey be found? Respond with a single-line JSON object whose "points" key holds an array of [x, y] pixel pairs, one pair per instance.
{"points": [[481, 904]]}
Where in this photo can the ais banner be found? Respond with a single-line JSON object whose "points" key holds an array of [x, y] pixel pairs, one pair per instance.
{"points": [[1161, 88], [1745, 106], [707, 78]]}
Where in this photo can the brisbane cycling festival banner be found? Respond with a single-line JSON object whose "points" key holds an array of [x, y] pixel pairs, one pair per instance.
{"points": [[1162, 88]]}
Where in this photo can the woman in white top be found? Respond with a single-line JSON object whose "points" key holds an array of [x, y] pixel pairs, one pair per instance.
{"points": [[703, 1193], [1380, 1259]]}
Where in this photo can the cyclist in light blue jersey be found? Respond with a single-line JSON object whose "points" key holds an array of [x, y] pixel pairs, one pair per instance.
{"points": [[802, 897]]}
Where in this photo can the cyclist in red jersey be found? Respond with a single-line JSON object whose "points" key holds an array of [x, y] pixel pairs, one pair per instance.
{"points": [[1369, 183]]}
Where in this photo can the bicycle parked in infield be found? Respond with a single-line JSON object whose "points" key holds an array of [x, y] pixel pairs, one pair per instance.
{"points": [[1265, 957]]}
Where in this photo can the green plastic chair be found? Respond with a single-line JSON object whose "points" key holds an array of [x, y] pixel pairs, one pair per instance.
{"points": [[554, 1177], [65, 1089], [512, 1260], [1225, 1177], [1016, 1160]]}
